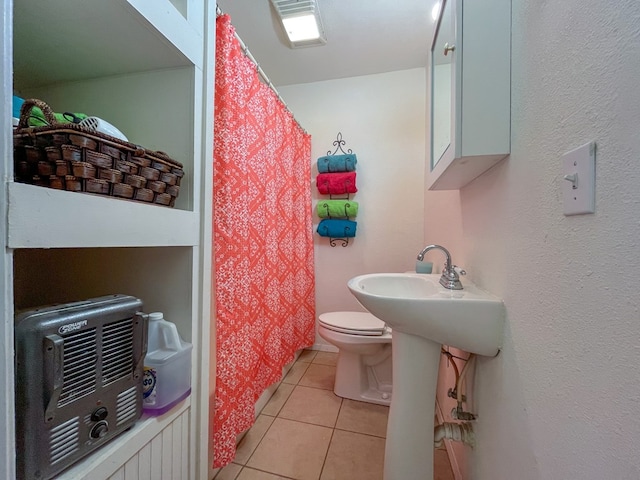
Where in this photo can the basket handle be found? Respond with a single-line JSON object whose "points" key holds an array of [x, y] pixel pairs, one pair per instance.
{"points": [[28, 105]]}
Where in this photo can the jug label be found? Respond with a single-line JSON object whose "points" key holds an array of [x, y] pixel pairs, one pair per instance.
{"points": [[149, 386]]}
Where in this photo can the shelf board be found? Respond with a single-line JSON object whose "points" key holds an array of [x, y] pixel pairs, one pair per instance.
{"points": [[42, 217], [168, 20], [455, 173], [108, 459], [67, 40]]}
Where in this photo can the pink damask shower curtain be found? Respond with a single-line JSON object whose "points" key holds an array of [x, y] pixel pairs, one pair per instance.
{"points": [[263, 246]]}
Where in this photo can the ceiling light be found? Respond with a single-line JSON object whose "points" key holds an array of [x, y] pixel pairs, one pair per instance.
{"points": [[301, 22], [301, 28]]}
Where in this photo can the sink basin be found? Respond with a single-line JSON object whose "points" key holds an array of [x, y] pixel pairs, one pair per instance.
{"points": [[424, 315], [416, 304]]}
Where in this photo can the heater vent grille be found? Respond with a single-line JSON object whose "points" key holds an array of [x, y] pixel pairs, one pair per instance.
{"points": [[64, 440], [117, 351], [126, 406], [80, 356]]}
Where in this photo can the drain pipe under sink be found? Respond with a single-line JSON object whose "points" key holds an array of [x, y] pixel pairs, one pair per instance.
{"points": [[458, 432]]}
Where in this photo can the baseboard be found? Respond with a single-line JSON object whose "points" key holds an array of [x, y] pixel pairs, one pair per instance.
{"points": [[268, 393], [323, 347], [448, 443]]}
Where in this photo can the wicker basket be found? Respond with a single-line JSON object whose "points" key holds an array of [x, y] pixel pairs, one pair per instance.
{"points": [[72, 157]]}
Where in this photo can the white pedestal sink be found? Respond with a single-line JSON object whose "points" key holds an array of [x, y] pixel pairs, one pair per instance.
{"points": [[424, 316]]}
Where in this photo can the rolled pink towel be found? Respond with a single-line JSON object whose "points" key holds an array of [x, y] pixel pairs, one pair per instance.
{"points": [[336, 183]]}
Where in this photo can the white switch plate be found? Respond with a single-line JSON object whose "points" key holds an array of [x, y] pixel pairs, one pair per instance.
{"points": [[579, 180]]}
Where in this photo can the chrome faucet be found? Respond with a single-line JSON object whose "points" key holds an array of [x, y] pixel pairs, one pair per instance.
{"points": [[449, 278]]}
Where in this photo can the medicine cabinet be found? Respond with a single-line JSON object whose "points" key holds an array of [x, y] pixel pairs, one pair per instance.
{"points": [[470, 95]]}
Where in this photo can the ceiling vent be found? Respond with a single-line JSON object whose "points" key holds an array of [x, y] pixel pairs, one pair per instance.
{"points": [[301, 22]]}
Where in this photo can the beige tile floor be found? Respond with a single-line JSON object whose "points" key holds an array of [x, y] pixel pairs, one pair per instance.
{"points": [[306, 432]]}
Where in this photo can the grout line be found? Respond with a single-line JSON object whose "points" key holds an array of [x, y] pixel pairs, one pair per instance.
{"points": [[283, 403], [360, 433], [253, 451], [307, 423], [338, 415], [317, 388], [342, 402], [266, 471], [326, 455], [303, 373]]}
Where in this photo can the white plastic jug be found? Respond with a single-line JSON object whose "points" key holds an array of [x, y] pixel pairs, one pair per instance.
{"points": [[167, 367]]}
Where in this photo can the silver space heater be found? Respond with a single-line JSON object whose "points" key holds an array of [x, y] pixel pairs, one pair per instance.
{"points": [[79, 370]]}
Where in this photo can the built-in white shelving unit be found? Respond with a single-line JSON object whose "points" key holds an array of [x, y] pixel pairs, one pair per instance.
{"points": [[146, 67]]}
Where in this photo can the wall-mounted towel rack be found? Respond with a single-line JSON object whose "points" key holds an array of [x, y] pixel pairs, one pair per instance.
{"points": [[337, 179], [338, 143]]}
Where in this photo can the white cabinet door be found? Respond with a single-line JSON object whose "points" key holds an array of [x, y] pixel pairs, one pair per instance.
{"points": [[470, 75]]}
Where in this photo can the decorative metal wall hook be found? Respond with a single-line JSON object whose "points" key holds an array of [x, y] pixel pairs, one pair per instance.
{"points": [[344, 241], [338, 143], [348, 232]]}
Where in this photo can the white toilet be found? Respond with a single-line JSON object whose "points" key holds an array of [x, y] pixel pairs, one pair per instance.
{"points": [[364, 361]]}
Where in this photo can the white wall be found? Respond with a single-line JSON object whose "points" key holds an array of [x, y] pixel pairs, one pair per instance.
{"points": [[382, 119], [561, 401]]}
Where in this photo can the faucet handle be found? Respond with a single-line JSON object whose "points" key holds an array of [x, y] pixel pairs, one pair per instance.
{"points": [[458, 270]]}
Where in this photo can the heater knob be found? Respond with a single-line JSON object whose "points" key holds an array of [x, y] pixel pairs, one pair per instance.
{"points": [[99, 414], [99, 430]]}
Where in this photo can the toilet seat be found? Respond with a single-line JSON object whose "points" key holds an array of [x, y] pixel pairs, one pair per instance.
{"points": [[353, 323]]}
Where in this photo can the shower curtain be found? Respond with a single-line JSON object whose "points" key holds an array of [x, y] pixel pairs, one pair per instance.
{"points": [[263, 246]]}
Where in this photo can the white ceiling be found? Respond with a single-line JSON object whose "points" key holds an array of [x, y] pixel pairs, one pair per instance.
{"points": [[363, 37]]}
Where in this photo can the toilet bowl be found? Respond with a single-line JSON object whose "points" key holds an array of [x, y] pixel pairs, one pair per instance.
{"points": [[363, 371]]}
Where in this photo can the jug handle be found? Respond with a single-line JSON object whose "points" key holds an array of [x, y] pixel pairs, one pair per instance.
{"points": [[171, 337]]}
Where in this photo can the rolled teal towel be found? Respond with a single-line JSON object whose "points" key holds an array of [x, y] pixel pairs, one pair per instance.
{"points": [[17, 105], [334, 228], [337, 163], [337, 208]]}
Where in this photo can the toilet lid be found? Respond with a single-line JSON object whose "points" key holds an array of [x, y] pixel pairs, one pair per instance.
{"points": [[353, 323]]}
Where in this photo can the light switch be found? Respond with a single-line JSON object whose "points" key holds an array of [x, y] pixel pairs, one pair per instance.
{"points": [[579, 180]]}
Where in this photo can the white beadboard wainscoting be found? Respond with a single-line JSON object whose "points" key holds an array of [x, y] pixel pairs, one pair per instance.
{"points": [[155, 448], [165, 457]]}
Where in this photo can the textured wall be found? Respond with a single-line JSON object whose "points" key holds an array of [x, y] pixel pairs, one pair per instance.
{"points": [[382, 118], [561, 400]]}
